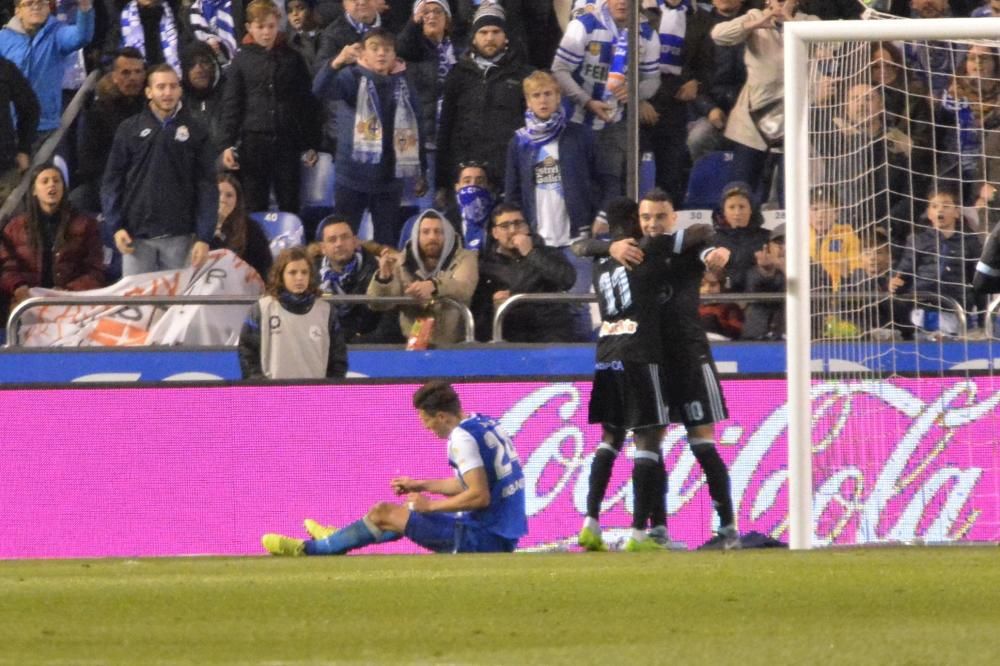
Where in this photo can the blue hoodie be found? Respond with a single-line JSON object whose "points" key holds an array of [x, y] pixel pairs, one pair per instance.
{"points": [[41, 58]]}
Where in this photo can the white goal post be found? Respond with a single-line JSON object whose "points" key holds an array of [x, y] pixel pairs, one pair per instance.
{"points": [[797, 38]]}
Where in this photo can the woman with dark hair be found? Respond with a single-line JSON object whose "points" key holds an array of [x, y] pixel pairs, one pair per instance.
{"points": [[236, 231], [50, 244]]}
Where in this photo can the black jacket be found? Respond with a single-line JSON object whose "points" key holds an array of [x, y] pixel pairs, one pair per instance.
{"points": [[479, 114], [357, 320], [742, 243], [160, 178], [15, 90], [722, 67], [333, 39], [270, 92], [205, 105], [544, 270]]}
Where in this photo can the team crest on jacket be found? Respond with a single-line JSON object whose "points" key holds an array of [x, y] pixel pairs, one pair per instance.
{"points": [[182, 133]]}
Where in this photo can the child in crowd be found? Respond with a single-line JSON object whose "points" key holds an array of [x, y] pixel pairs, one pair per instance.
{"points": [[290, 332], [378, 140], [766, 320], [942, 259], [834, 248], [302, 33], [721, 320], [739, 227], [269, 116]]}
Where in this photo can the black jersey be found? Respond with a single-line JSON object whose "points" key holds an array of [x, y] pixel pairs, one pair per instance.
{"points": [[681, 327]]}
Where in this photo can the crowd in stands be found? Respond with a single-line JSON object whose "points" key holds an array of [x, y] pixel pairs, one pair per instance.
{"points": [[478, 138]]}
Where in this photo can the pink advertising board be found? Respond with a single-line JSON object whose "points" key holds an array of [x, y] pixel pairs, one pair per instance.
{"points": [[206, 470]]}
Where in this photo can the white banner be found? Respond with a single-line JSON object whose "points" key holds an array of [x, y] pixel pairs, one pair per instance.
{"points": [[222, 274]]}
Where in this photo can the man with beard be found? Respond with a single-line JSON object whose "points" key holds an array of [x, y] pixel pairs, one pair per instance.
{"points": [[474, 201], [482, 104], [118, 96], [433, 265]]}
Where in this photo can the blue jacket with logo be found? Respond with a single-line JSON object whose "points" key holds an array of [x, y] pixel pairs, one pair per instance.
{"points": [[160, 178], [42, 58]]}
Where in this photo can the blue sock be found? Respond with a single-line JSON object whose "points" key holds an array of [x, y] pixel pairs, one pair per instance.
{"points": [[356, 535]]}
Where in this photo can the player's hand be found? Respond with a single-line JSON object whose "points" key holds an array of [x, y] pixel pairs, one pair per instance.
{"points": [[422, 290], [387, 263], [418, 503], [626, 252], [403, 484], [717, 259], [500, 296], [123, 241]]}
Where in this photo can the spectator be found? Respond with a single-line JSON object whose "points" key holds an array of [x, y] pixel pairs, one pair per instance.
{"points": [[941, 259], [379, 142], [739, 227], [432, 265], [302, 339], [339, 43], [834, 248], [474, 201], [722, 321], [17, 129], [988, 8], [302, 33], [765, 320], [346, 267], [874, 314], [482, 104], [593, 81], [268, 113], [235, 231], [118, 96], [516, 261], [50, 245], [214, 22], [969, 111], [763, 93], [38, 44], [551, 176], [725, 74], [152, 27], [159, 194], [934, 63], [203, 84], [426, 46]]}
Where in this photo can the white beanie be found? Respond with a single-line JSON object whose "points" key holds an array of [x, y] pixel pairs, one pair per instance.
{"points": [[443, 4]]}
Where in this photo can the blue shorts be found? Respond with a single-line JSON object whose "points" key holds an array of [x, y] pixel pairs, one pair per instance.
{"points": [[448, 533]]}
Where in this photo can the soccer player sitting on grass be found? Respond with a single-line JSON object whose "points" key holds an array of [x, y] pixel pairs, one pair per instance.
{"points": [[488, 488]]}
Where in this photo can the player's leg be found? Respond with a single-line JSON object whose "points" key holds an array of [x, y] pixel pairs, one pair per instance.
{"points": [[701, 439], [612, 439], [384, 522], [646, 485]]}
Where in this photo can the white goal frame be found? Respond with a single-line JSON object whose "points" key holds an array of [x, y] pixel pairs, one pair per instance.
{"points": [[797, 37]]}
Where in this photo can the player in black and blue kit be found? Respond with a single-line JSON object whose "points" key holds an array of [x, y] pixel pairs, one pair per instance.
{"points": [[482, 509], [627, 392]]}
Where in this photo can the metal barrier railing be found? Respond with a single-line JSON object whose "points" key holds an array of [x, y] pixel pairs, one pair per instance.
{"points": [[14, 321], [517, 299], [917, 297]]}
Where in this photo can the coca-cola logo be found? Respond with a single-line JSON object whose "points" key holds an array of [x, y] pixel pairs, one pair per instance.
{"points": [[902, 460]]}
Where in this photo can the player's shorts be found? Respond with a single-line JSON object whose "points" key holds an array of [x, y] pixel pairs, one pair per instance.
{"points": [[692, 389], [627, 395], [449, 533]]}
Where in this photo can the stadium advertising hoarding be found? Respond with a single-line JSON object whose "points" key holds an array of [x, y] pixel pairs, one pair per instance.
{"points": [[206, 470], [176, 364]]}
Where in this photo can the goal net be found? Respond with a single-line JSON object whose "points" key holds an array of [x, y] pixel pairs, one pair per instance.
{"points": [[892, 153]]}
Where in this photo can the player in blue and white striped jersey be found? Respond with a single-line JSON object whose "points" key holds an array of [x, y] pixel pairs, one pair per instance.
{"points": [[585, 58], [482, 509]]}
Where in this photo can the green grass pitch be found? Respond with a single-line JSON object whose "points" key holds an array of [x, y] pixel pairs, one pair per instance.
{"points": [[859, 606]]}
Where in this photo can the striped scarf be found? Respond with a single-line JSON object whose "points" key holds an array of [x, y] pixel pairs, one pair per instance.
{"points": [[213, 19], [362, 28], [537, 132], [132, 34], [368, 128], [673, 26]]}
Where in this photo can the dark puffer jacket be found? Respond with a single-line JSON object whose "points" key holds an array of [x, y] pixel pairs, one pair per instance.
{"points": [[77, 261], [742, 242]]}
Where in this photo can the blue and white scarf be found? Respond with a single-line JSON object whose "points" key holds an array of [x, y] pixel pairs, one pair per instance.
{"points": [[446, 59], [132, 34], [332, 280], [362, 28], [537, 132], [368, 128], [476, 204], [673, 26], [213, 19]]}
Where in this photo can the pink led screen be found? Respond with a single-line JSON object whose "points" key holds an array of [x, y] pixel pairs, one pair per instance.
{"points": [[177, 471]]}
